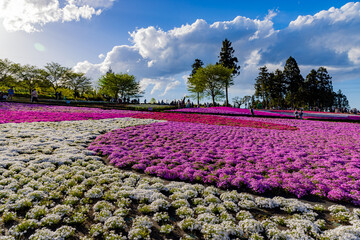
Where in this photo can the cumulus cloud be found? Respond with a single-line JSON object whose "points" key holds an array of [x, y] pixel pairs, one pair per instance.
{"points": [[161, 58], [156, 57], [31, 15]]}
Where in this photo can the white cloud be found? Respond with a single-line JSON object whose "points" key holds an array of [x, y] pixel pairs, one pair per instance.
{"points": [[161, 58], [157, 56], [31, 15], [354, 55], [170, 86]]}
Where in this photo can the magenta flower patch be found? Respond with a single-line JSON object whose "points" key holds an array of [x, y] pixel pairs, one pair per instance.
{"points": [[320, 158], [229, 111], [214, 120], [17, 113]]}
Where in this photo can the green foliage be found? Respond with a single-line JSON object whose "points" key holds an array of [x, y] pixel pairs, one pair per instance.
{"points": [[79, 83], [194, 86], [47, 81], [212, 79], [152, 101], [288, 88], [55, 75], [228, 60], [123, 85], [293, 82]]}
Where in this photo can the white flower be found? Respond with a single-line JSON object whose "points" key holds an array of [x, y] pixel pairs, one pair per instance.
{"points": [[51, 219], [207, 218], [103, 205], [189, 224], [64, 232], [184, 212], [94, 192], [42, 234], [251, 226], [159, 204], [115, 222], [103, 215]]}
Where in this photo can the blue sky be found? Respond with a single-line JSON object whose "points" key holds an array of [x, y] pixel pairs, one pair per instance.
{"points": [[158, 41]]}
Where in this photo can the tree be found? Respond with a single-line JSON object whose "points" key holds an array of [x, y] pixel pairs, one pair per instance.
{"points": [[152, 101], [240, 101], [325, 88], [28, 76], [6, 70], [262, 85], [213, 78], [276, 88], [55, 74], [312, 89], [341, 101], [294, 82], [78, 82], [195, 86], [228, 60], [123, 85]]}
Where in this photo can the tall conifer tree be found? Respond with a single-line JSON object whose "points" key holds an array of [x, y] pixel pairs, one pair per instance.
{"points": [[228, 60]]}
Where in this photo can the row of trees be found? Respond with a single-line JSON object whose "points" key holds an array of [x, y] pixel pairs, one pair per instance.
{"points": [[54, 77], [214, 80], [288, 88]]}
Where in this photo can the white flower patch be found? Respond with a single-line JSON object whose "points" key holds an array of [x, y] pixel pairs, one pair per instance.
{"points": [[161, 217], [50, 219], [141, 228], [115, 222], [306, 226], [159, 204], [263, 202], [230, 196], [251, 226], [207, 218], [50, 184], [184, 212], [55, 142], [189, 224]]}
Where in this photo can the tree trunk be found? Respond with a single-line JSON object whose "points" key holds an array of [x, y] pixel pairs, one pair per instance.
{"points": [[198, 99], [227, 97]]}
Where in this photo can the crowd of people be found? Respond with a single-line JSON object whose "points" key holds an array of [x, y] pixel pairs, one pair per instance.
{"points": [[7, 95]]}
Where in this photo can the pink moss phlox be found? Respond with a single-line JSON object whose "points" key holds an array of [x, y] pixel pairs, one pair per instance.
{"points": [[214, 120], [229, 111], [321, 158]]}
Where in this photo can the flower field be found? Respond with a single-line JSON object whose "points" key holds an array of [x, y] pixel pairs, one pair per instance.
{"points": [[52, 186], [229, 111], [319, 158]]}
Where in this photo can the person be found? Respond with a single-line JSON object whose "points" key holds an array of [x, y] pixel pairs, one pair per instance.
{"points": [[301, 113], [59, 95], [188, 104], [10, 93], [252, 112], [296, 113], [34, 96]]}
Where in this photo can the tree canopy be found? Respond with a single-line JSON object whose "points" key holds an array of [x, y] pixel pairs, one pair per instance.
{"points": [[212, 78], [194, 85], [289, 89], [56, 74], [228, 60], [120, 85]]}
